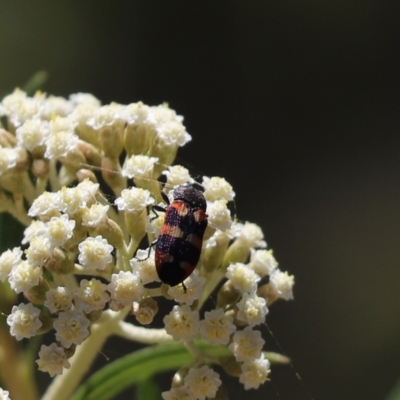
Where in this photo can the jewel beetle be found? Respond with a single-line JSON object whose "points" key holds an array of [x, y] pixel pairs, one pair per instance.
{"points": [[178, 246]]}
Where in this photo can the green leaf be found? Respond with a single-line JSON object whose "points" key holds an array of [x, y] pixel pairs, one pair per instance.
{"points": [[148, 390], [395, 393], [137, 367], [35, 82]]}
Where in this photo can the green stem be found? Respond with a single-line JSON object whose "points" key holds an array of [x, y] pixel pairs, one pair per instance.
{"points": [[64, 385], [15, 369], [142, 335]]}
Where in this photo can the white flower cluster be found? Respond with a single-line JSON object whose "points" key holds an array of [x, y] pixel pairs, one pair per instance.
{"points": [[82, 256], [4, 394]]}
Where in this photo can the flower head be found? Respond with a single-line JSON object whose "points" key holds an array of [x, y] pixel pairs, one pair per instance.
{"points": [[246, 344], [52, 359], [216, 327], [255, 372], [182, 323], [87, 180], [24, 276], [91, 295], [202, 382], [62, 139], [24, 321], [33, 134], [125, 288], [4, 394], [95, 253], [58, 299], [8, 260], [71, 327]]}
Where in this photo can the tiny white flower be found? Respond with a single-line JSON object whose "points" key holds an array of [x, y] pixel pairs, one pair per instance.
{"points": [[202, 382], [80, 115], [4, 394], [19, 107], [52, 359], [32, 134], [125, 288], [144, 264], [177, 393], [39, 251], [134, 199], [88, 190], [62, 139], [71, 327], [55, 105], [217, 237], [95, 253], [138, 114], [108, 115], [282, 284], [246, 344], [242, 277], [177, 175], [219, 216], [8, 159], [47, 205], [95, 215], [24, 321], [8, 260], [58, 299], [182, 323], [84, 98], [262, 262], [255, 372], [194, 288], [60, 229], [252, 309], [217, 188], [91, 295], [36, 228], [216, 327], [71, 200], [24, 276], [138, 166], [250, 235], [173, 133]]}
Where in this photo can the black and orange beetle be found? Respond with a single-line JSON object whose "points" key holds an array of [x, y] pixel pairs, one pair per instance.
{"points": [[178, 247]]}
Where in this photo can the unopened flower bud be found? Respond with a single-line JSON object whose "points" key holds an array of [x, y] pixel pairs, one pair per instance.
{"points": [[93, 316], [213, 255], [145, 310], [111, 140], [138, 139], [40, 168], [136, 224], [91, 154], [70, 351], [111, 231], [7, 139], [47, 322], [110, 170], [83, 174], [230, 365], [179, 376], [60, 262], [37, 294], [227, 295]]}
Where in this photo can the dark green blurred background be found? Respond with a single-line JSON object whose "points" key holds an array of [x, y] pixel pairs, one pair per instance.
{"points": [[297, 104]]}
